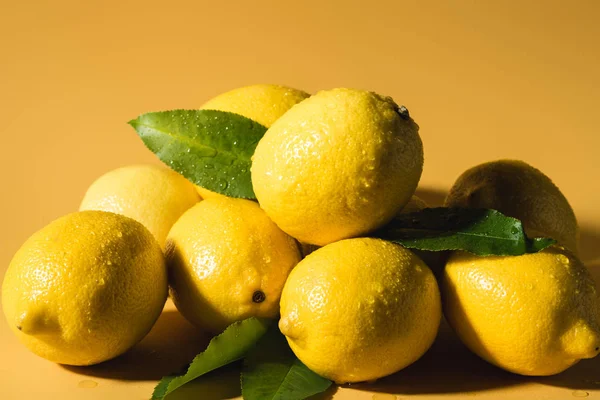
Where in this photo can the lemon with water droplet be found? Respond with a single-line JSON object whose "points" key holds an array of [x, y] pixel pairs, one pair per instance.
{"points": [[227, 262], [262, 103], [360, 309], [339, 164], [85, 288], [535, 314]]}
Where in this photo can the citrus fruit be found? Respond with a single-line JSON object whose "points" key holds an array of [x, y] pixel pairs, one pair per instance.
{"points": [[359, 309], [85, 288], [153, 195], [535, 314], [227, 261], [340, 164], [519, 190]]}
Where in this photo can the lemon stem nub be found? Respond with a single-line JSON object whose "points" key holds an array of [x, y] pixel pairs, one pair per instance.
{"points": [[403, 111], [258, 297]]}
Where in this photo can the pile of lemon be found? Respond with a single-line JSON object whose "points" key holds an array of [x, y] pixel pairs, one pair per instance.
{"points": [[330, 169]]}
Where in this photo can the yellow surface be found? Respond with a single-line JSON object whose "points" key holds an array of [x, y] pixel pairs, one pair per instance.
{"points": [[484, 80]]}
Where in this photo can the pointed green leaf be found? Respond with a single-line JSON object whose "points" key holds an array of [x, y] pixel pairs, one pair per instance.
{"points": [[229, 346], [482, 232], [213, 149], [272, 372]]}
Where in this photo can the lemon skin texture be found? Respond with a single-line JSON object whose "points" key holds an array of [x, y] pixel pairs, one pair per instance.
{"points": [[227, 262], [85, 288], [360, 309], [263, 103], [153, 195], [535, 314], [519, 190], [337, 165]]}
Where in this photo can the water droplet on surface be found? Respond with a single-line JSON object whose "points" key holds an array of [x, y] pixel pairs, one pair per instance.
{"points": [[514, 230], [580, 393], [119, 234], [209, 166], [384, 396], [87, 384]]}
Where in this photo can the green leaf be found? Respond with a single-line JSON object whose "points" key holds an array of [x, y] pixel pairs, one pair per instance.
{"points": [[272, 372], [482, 232], [213, 149], [229, 346]]}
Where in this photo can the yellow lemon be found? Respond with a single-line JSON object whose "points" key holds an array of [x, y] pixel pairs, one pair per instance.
{"points": [[520, 191], [360, 309], [261, 103], [338, 165], [228, 261], [85, 288], [155, 196], [535, 314]]}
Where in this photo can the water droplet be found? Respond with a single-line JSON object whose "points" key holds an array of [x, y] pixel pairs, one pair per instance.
{"points": [[580, 393], [514, 230], [235, 142], [222, 184], [87, 384], [383, 396], [209, 166], [109, 262], [119, 234]]}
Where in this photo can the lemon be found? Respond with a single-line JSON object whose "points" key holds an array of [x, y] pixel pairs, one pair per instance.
{"points": [[228, 261], [535, 314], [261, 103], [359, 309], [85, 288], [337, 165], [520, 191], [153, 195]]}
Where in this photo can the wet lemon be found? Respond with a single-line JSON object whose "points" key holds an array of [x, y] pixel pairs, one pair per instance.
{"points": [[85, 288], [339, 164], [228, 261], [535, 314], [360, 309]]}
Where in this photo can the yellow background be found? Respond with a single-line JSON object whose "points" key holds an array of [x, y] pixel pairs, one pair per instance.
{"points": [[484, 80]]}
